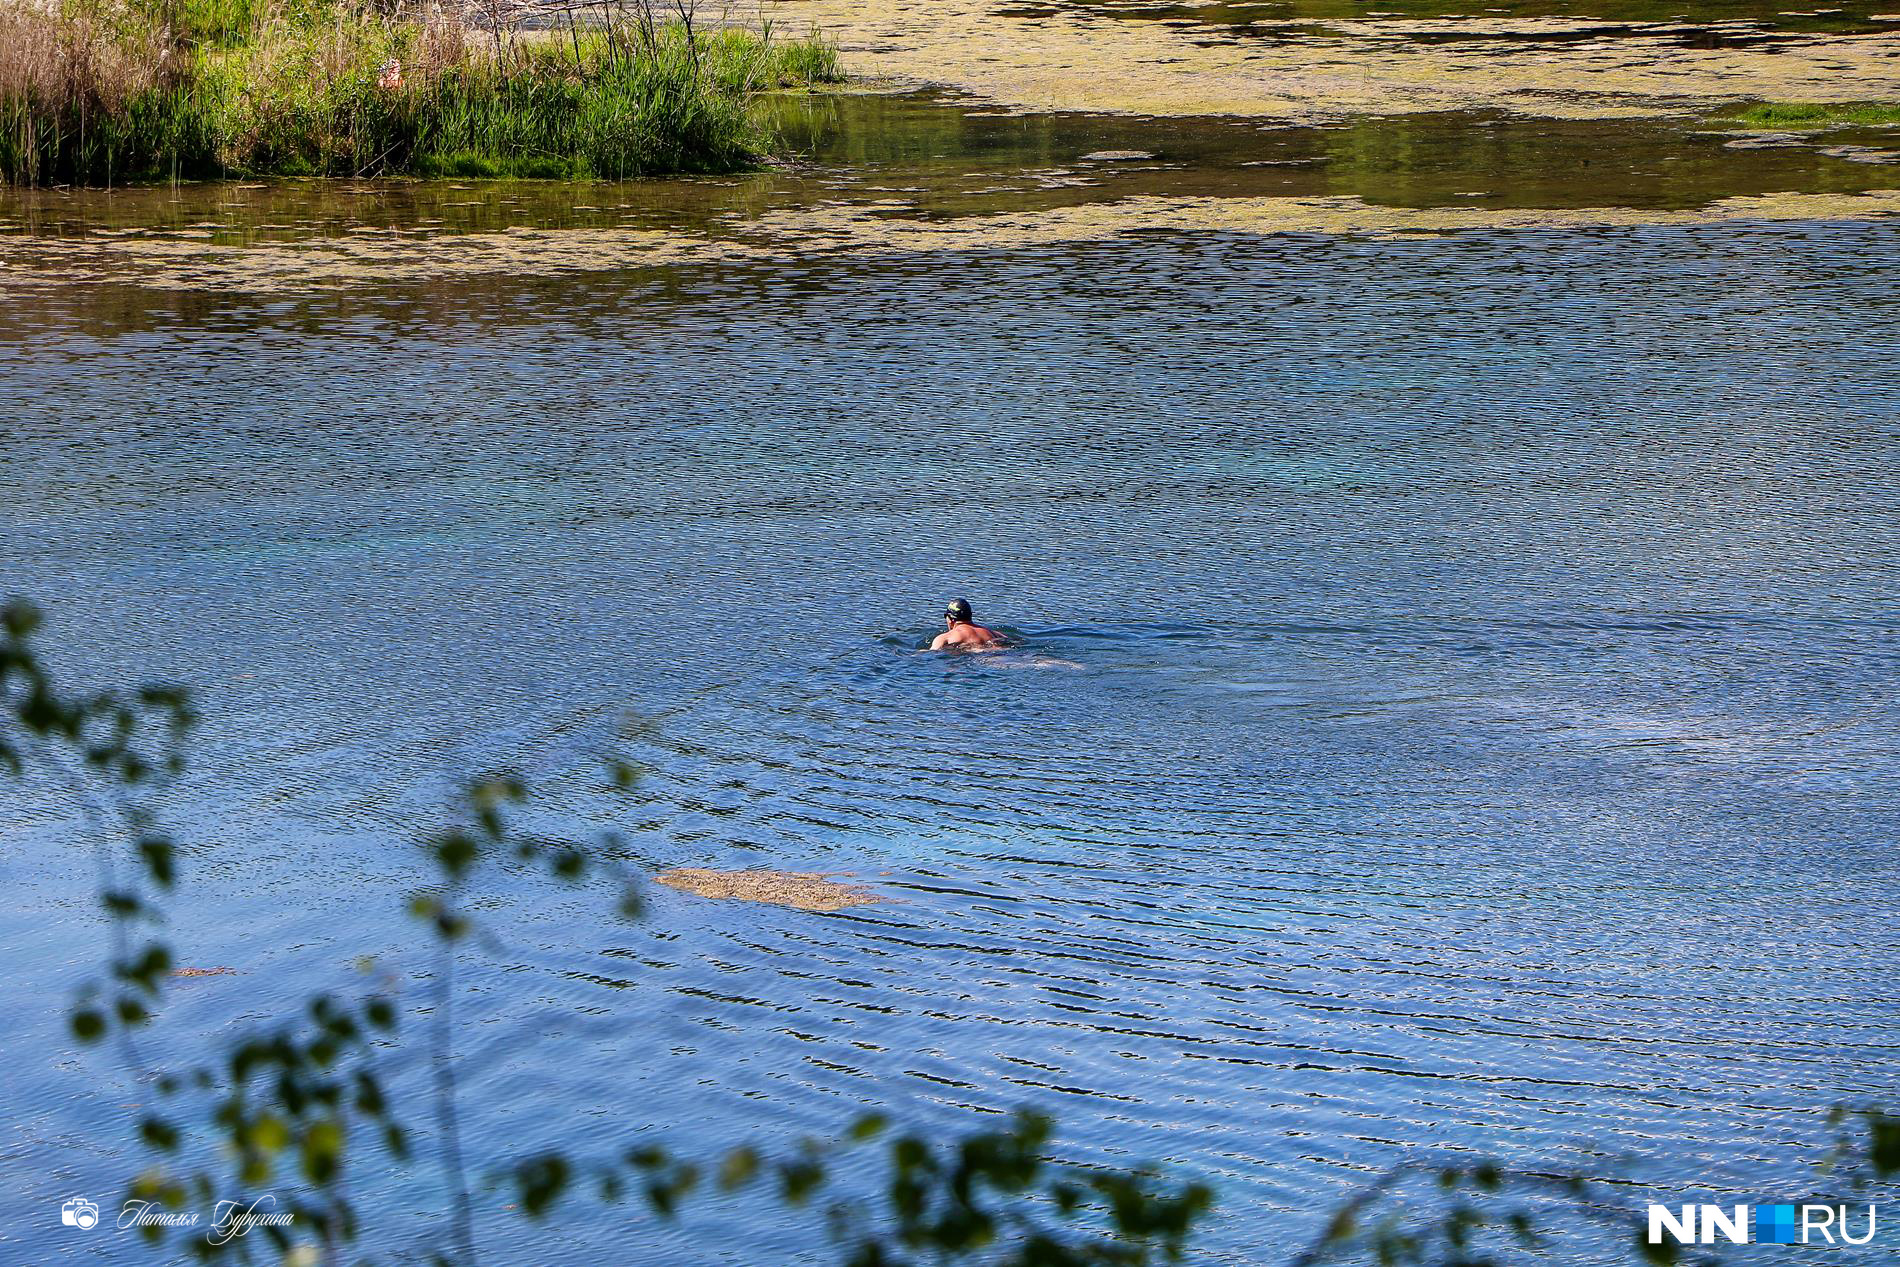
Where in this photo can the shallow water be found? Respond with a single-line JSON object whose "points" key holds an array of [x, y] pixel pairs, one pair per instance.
{"points": [[1481, 735], [873, 173], [1702, 23]]}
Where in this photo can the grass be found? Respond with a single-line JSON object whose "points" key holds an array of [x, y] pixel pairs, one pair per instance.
{"points": [[116, 91], [1820, 114], [812, 60]]}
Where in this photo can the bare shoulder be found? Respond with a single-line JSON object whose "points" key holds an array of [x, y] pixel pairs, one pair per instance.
{"points": [[968, 638]]}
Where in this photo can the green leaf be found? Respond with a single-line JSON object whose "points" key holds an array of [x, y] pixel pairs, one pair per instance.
{"points": [[369, 1095], [633, 903], [158, 1133], [151, 967], [797, 1179], [540, 1182], [737, 1168], [270, 1133], [20, 618], [158, 854], [88, 1025], [455, 852], [1659, 1254], [255, 1168], [1883, 1149], [322, 1151]]}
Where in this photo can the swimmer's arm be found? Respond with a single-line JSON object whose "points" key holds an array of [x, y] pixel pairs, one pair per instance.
{"points": [[941, 641]]}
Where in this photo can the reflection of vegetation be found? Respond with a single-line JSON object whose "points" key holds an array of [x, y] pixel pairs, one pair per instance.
{"points": [[105, 91], [303, 1090], [881, 131], [1820, 114], [1440, 160]]}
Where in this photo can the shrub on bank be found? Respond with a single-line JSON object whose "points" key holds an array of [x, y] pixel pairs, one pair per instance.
{"points": [[113, 91]]}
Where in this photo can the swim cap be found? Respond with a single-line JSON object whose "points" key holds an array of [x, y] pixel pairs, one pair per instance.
{"points": [[958, 609]]}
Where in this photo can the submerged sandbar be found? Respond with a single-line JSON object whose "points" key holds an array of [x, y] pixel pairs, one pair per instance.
{"points": [[805, 891]]}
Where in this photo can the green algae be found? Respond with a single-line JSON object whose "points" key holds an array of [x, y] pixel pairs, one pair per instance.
{"points": [[1820, 114]]}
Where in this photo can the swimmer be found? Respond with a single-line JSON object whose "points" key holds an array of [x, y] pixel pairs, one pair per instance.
{"points": [[962, 633]]}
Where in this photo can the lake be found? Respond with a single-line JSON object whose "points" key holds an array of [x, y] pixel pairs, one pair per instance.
{"points": [[1455, 716]]}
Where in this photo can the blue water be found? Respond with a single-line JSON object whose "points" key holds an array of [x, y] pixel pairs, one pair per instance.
{"points": [[1477, 730]]}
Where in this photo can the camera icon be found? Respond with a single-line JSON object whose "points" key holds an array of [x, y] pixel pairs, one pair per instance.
{"points": [[79, 1212]]}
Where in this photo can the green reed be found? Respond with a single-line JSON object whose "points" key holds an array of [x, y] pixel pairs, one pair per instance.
{"points": [[189, 89]]}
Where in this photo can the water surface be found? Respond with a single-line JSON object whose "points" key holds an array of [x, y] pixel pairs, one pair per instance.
{"points": [[1480, 734]]}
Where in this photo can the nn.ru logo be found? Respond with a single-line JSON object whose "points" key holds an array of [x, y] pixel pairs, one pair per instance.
{"points": [[1770, 1224]]}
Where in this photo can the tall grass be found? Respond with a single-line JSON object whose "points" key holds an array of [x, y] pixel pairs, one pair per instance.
{"points": [[114, 91]]}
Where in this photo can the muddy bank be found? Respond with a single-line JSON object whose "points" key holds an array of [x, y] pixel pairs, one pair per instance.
{"points": [[1306, 71]]}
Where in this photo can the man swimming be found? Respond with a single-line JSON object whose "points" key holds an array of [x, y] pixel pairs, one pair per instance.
{"points": [[962, 633]]}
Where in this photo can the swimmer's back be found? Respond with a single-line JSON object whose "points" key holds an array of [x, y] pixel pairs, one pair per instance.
{"points": [[967, 637], [961, 632]]}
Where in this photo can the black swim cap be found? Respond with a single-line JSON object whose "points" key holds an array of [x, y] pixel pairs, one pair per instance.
{"points": [[958, 609]]}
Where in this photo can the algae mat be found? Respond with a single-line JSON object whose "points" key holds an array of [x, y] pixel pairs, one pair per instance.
{"points": [[1069, 59], [842, 230], [805, 891]]}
